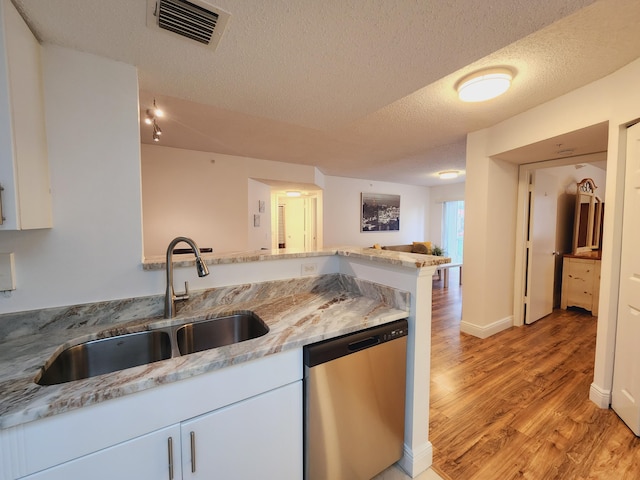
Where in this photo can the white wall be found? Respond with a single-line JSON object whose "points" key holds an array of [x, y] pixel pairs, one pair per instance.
{"points": [[438, 195], [206, 196], [259, 237], [94, 250], [614, 98], [489, 245], [342, 211]]}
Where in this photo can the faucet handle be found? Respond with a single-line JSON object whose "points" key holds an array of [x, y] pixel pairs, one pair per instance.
{"points": [[185, 295]]}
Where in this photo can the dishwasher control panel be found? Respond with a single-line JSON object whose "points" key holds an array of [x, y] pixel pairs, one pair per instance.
{"points": [[395, 333]]}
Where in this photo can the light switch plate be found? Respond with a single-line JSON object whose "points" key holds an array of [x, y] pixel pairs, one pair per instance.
{"points": [[7, 272]]}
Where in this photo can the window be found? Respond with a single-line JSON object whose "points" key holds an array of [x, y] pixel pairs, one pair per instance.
{"points": [[453, 229]]}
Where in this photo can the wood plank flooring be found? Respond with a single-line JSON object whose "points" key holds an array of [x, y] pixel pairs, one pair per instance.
{"points": [[516, 405]]}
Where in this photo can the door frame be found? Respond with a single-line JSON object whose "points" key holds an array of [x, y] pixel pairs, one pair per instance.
{"points": [[524, 189]]}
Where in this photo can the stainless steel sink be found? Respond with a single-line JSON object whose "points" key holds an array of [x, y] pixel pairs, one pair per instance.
{"points": [[107, 355], [217, 332]]}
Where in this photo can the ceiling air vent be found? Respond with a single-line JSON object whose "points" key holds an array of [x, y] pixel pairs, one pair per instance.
{"points": [[195, 20]]}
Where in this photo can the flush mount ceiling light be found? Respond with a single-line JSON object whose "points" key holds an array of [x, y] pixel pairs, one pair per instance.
{"points": [[293, 194], [484, 85], [447, 174]]}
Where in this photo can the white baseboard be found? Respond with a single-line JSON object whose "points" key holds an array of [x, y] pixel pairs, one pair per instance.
{"points": [[485, 331], [600, 396], [416, 461]]}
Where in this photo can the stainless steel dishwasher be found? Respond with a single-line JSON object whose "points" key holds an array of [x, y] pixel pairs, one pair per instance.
{"points": [[354, 394]]}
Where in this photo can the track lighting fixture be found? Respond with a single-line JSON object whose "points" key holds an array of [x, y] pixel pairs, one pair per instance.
{"points": [[152, 114]]}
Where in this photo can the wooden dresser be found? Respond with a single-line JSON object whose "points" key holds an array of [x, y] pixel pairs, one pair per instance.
{"points": [[581, 281]]}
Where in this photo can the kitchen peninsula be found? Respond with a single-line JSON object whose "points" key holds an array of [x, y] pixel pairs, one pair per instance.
{"points": [[350, 289]]}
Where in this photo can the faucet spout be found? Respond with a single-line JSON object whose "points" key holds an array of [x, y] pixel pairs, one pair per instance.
{"points": [[201, 267]]}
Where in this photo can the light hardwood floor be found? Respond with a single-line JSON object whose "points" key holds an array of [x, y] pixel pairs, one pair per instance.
{"points": [[516, 405]]}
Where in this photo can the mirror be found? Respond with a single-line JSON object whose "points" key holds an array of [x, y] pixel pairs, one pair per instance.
{"points": [[588, 218]]}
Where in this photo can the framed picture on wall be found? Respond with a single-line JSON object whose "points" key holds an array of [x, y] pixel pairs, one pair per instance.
{"points": [[379, 212]]}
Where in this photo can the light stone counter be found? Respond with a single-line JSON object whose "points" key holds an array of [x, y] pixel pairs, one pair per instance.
{"points": [[389, 257], [298, 312]]}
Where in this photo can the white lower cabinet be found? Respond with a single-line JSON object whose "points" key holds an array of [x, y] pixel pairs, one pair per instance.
{"points": [[260, 437], [246, 421], [257, 438]]}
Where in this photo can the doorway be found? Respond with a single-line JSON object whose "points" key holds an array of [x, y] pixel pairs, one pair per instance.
{"points": [[546, 229], [453, 229], [296, 222]]}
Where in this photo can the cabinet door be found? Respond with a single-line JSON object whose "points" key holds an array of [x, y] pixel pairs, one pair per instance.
{"points": [[24, 164], [142, 458], [260, 437]]}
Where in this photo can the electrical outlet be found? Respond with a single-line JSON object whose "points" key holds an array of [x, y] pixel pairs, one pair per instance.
{"points": [[309, 268]]}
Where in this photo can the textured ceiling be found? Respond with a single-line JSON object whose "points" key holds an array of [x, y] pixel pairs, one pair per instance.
{"points": [[359, 88]]}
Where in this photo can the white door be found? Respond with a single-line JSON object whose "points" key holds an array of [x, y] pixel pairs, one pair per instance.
{"points": [[542, 246], [626, 375], [294, 223]]}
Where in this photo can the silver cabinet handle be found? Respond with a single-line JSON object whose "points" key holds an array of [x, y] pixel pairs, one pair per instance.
{"points": [[2, 219], [170, 445], [193, 452]]}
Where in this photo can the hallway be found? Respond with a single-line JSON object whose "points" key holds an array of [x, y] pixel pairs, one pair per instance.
{"points": [[516, 405]]}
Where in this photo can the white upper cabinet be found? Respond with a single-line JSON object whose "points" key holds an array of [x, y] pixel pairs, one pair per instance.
{"points": [[24, 164]]}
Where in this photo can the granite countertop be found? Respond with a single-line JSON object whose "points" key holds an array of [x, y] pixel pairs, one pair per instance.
{"points": [[298, 312], [389, 257]]}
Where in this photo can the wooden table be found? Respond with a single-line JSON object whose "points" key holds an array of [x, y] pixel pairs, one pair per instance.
{"points": [[445, 269]]}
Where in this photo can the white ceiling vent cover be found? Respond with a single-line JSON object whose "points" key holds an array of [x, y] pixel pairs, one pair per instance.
{"points": [[194, 19]]}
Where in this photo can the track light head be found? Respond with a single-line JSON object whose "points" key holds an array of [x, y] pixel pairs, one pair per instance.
{"points": [[149, 118], [157, 112]]}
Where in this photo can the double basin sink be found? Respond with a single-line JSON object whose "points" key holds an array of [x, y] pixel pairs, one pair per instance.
{"points": [[107, 355]]}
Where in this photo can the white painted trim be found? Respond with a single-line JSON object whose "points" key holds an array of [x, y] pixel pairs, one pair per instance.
{"points": [[600, 396], [485, 331], [414, 462], [521, 246]]}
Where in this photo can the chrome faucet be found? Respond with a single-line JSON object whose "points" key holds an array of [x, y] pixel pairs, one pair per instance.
{"points": [[170, 297]]}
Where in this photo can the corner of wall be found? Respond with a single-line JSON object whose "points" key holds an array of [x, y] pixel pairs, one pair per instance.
{"points": [[485, 331], [319, 177], [600, 396]]}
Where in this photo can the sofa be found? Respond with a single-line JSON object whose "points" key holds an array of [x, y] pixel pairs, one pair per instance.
{"points": [[428, 249], [424, 248]]}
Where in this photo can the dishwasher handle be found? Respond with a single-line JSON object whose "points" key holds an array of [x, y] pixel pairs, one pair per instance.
{"points": [[337, 347], [364, 343]]}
